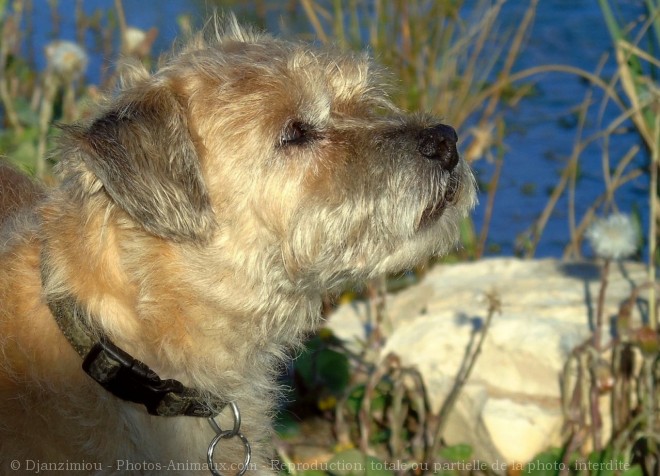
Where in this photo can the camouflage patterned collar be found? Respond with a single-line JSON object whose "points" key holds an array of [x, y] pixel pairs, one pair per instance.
{"points": [[122, 375]]}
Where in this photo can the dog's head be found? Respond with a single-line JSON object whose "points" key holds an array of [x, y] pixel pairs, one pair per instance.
{"points": [[279, 155]]}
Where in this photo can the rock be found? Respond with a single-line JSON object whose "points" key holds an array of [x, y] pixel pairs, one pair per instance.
{"points": [[510, 408]]}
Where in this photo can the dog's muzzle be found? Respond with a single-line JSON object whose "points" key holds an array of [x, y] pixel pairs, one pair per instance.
{"points": [[437, 144]]}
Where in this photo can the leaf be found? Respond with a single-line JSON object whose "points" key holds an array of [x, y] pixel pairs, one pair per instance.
{"points": [[25, 154], [355, 463], [548, 463], [460, 452], [354, 400], [26, 115], [381, 398], [604, 463], [320, 366], [633, 471], [286, 425], [333, 369]]}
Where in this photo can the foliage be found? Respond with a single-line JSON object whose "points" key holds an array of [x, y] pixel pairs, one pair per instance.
{"points": [[321, 373], [382, 421], [638, 70], [633, 90], [34, 99], [598, 463], [624, 372]]}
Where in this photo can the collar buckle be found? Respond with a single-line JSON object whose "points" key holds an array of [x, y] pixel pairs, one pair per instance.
{"points": [[132, 380]]}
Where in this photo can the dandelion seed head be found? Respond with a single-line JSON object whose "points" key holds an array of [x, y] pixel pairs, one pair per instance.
{"points": [[138, 42], [67, 59], [613, 237]]}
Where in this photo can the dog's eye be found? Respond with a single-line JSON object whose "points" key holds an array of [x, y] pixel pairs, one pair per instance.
{"points": [[295, 133]]}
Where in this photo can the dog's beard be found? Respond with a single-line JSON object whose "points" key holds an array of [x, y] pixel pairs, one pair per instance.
{"points": [[416, 214], [443, 196]]}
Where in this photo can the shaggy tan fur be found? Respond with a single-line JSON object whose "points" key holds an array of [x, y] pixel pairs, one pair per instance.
{"points": [[200, 217]]}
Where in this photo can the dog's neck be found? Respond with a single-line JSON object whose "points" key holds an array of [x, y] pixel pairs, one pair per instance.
{"points": [[122, 375], [197, 329]]}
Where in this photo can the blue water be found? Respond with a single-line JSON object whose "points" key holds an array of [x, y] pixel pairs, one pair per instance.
{"points": [[538, 139], [570, 32]]}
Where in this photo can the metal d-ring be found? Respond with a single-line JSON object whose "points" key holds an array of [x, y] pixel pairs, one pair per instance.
{"points": [[226, 435], [237, 422]]}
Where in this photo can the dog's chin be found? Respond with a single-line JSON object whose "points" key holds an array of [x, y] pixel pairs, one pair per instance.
{"points": [[436, 209], [431, 214]]}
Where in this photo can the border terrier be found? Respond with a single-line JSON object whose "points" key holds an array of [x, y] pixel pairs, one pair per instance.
{"points": [[201, 214]]}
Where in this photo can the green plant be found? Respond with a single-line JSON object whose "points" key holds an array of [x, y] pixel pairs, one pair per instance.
{"points": [[626, 369], [638, 69], [632, 89], [556, 461], [623, 370], [382, 416], [34, 100]]}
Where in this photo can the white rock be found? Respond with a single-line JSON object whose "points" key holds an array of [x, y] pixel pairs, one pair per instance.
{"points": [[506, 421], [510, 408]]}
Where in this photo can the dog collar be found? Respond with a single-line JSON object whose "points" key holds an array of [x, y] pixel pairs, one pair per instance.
{"points": [[133, 381], [124, 376]]}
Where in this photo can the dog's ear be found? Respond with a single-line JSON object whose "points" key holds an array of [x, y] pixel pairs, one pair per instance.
{"points": [[143, 153]]}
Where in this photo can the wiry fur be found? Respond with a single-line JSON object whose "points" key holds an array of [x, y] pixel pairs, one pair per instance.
{"points": [[200, 238]]}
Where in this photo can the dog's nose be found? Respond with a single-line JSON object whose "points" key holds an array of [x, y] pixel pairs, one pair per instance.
{"points": [[438, 143]]}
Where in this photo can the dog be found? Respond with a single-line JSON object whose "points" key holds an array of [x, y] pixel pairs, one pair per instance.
{"points": [[201, 214]]}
